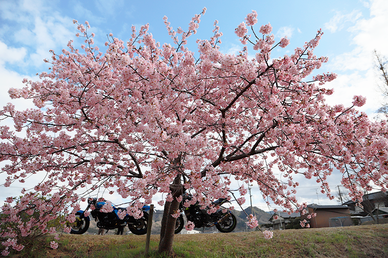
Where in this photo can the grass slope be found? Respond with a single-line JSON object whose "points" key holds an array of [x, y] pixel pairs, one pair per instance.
{"points": [[357, 241]]}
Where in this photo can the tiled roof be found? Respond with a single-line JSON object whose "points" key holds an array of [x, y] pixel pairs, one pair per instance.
{"points": [[316, 206]]}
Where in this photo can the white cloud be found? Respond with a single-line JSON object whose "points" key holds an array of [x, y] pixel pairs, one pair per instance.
{"points": [[109, 7], [285, 32], [24, 9], [7, 10], [37, 26], [357, 67], [234, 49], [36, 29], [81, 11], [10, 54], [9, 78], [365, 3], [339, 21]]}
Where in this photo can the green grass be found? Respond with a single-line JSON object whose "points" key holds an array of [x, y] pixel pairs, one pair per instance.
{"points": [[357, 241]]}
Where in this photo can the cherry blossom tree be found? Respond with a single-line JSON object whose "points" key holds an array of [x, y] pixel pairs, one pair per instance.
{"points": [[144, 118]]}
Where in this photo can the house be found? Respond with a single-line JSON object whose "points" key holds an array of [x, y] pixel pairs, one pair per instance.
{"points": [[374, 206], [329, 216], [283, 220], [371, 203]]}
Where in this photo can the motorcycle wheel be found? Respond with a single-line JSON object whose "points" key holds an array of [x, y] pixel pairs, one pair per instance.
{"points": [[179, 224], [228, 224], [80, 225], [139, 227]]}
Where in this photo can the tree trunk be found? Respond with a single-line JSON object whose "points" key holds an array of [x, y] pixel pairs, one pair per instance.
{"points": [[168, 222]]}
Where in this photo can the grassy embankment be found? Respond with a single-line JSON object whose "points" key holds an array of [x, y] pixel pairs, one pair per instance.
{"points": [[357, 241]]}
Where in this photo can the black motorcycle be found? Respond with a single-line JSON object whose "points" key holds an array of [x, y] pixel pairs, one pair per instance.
{"points": [[223, 218], [109, 220]]}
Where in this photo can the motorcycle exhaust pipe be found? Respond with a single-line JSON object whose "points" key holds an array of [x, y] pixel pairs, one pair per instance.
{"points": [[223, 218]]}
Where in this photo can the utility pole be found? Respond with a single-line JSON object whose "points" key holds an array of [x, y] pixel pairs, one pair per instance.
{"points": [[340, 194], [250, 197], [317, 195]]}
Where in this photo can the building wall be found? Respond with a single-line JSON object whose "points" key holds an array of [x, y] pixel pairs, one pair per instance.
{"points": [[324, 215]]}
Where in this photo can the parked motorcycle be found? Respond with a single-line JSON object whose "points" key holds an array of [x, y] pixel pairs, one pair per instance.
{"points": [[109, 220], [223, 218]]}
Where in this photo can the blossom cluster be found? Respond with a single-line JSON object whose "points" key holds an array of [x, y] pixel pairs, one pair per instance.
{"points": [[107, 207], [189, 226], [251, 18], [53, 245], [267, 234], [359, 101], [252, 221]]}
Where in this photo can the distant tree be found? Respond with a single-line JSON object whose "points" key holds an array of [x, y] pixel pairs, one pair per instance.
{"points": [[342, 197], [142, 119], [382, 67]]}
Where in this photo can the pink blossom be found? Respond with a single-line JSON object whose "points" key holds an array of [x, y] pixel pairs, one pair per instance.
{"points": [[18, 247], [303, 223], [252, 221], [53, 245], [107, 207], [241, 30], [176, 214], [260, 44], [5, 252], [268, 234], [169, 198], [284, 42], [359, 101], [179, 199], [251, 18], [9, 242], [266, 29], [189, 226], [121, 214], [241, 200], [243, 190]]}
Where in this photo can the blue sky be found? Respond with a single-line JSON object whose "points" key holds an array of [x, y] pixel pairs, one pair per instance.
{"points": [[353, 29]]}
